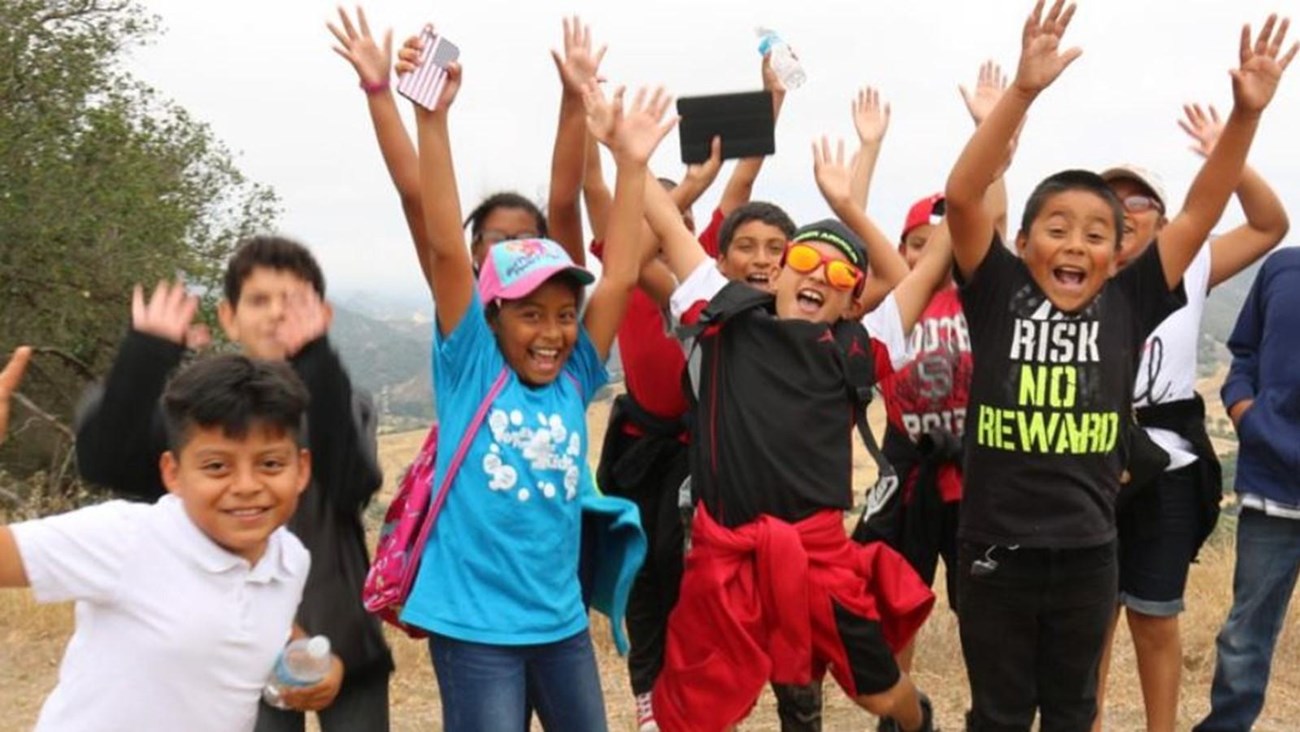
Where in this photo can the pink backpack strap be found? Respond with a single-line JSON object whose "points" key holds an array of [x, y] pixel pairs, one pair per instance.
{"points": [[435, 506]]}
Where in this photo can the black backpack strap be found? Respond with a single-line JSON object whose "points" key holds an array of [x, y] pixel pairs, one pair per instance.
{"points": [[860, 375]]}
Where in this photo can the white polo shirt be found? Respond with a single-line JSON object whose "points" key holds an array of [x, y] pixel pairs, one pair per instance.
{"points": [[172, 631]]}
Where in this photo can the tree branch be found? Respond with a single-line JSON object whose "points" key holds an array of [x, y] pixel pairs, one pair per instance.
{"points": [[55, 421]]}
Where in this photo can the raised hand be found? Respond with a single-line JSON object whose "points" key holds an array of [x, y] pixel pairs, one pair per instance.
{"points": [[1255, 81], [168, 314], [834, 175], [632, 134], [1041, 57], [306, 318], [359, 48], [408, 59], [988, 90], [870, 117], [9, 380], [703, 174], [579, 64], [1204, 129]]}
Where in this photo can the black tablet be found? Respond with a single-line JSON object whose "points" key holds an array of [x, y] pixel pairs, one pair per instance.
{"points": [[744, 121]]}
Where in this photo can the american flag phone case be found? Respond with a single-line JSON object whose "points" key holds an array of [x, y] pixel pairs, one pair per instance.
{"points": [[424, 85]]}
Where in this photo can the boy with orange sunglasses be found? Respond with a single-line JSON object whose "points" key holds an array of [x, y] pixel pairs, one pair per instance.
{"points": [[773, 588]]}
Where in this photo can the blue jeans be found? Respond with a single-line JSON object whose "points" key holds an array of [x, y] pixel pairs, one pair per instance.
{"points": [[484, 688], [1268, 557]]}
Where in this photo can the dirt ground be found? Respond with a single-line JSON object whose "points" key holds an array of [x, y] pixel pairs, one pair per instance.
{"points": [[32, 639]]}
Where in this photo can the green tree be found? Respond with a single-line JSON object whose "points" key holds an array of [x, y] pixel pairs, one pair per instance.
{"points": [[103, 184]]}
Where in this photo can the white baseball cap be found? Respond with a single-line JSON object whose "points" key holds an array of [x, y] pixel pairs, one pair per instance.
{"points": [[1148, 178]]}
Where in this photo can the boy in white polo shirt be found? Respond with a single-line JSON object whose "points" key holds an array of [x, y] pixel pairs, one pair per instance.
{"points": [[182, 606]]}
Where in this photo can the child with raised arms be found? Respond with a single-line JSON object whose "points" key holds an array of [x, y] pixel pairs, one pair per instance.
{"points": [[1056, 336], [498, 583]]}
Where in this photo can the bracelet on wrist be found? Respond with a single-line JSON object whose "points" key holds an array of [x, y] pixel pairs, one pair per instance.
{"points": [[374, 87]]}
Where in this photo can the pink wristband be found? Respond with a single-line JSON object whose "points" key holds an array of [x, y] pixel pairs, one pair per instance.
{"points": [[374, 87]]}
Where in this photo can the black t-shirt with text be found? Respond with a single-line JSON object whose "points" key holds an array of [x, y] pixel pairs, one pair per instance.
{"points": [[1049, 402], [774, 420]]}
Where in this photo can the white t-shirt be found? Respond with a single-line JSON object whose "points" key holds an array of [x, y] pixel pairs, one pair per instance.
{"points": [[885, 324], [173, 632], [1168, 369]]}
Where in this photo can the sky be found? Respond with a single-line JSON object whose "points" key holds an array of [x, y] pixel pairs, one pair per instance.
{"points": [[262, 75]]}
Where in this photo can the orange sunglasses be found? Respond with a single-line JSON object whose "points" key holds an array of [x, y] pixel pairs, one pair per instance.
{"points": [[805, 259]]}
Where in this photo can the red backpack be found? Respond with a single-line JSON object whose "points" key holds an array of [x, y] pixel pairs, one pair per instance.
{"points": [[409, 520]]}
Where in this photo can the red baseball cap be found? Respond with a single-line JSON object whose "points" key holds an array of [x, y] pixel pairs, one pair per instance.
{"points": [[928, 210]]}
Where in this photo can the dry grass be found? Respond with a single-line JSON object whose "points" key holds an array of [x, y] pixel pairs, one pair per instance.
{"points": [[33, 639]]}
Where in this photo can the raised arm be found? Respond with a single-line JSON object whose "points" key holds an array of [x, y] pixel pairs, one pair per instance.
{"points": [[740, 187], [452, 280], [579, 64], [1253, 84], [1266, 219], [631, 137], [989, 88], [595, 193], [986, 154], [834, 180], [371, 62], [682, 251], [9, 380], [871, 120], [698, 178]]}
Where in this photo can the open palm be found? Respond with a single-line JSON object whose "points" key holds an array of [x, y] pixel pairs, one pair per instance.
{"points": [[1041, 57], [1255, 81]]}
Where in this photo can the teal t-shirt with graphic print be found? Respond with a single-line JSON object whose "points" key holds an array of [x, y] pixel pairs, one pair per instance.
{"points": [[501, 564]]}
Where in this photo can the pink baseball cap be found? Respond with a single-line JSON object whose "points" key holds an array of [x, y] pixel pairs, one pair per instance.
{"points": [[928, 210], [513, 269]]}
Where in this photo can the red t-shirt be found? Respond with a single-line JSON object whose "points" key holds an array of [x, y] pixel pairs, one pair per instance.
{"points": [[932, 388]]}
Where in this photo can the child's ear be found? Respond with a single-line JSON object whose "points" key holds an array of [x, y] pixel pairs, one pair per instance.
{"points": [[170, 468], [1022, 241], [304, 469], [226, 316]]}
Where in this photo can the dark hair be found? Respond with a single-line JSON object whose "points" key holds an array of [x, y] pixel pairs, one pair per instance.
{"points": [[235, 393], [504, 199], [768, 213], [1073, 180], [271, 252], [668, 183]]}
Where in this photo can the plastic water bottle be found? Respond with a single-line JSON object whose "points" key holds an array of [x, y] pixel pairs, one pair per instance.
{"points": [[784, 64], [304, 662]]}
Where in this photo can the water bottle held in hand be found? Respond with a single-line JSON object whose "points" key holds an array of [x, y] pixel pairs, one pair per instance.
{"points": [[784, 63], [304, 662]]}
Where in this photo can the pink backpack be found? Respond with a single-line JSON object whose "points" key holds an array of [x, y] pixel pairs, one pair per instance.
{"points": [[409, 520]]}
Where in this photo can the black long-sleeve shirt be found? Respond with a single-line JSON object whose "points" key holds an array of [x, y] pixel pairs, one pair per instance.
{"points": [[120, 436]]}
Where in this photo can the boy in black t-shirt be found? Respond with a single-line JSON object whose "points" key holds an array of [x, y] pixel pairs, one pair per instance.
{"points": [[773, 589], [1056, 337]]}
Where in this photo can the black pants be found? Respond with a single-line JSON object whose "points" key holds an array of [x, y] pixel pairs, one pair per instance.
{"points": [[655, 590], [1032, 630]]}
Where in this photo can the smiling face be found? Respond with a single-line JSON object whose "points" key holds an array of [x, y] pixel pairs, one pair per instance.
{"points": [[754, 254], [536, 333], [1142, 221], [237, 490], [1070, 247], [808, 296]]}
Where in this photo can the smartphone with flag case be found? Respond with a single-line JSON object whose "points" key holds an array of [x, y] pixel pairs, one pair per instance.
{"points": [[424, 85]]}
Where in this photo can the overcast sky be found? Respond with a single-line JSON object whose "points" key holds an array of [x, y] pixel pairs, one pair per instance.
{"points": [[263, 76]]}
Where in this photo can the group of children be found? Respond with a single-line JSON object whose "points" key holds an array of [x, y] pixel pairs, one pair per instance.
{"points": [[750, 353]]}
